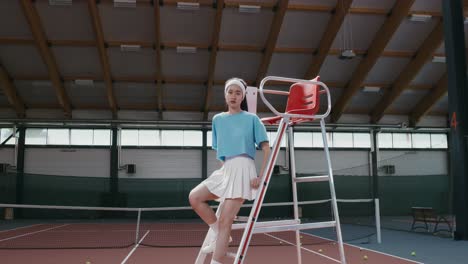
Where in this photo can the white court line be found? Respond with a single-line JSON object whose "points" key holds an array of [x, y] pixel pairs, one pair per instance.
{"points": [[32, 233], [371, 250], [306, 249], [13, 229], [134, 248]]}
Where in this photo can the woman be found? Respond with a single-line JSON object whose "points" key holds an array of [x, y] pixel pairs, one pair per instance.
{"points": [[236, 133]]}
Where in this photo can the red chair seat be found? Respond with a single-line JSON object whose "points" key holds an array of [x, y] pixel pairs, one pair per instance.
{"points": [[303, 99], [273, 120]]}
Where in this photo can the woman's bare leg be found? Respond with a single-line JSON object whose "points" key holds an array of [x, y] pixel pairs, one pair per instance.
{"points": [[198, 198], [230, 209]]}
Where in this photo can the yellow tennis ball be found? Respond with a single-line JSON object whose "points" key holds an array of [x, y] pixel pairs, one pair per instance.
{"points": [[413, 253], [88, 262], [365, 257], [320, 250]]}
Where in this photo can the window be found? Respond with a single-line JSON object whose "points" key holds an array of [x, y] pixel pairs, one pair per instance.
{"points": [[193, 138], [401, 140], [172, 137], [58, 136], [149, 138], [421, 140], [318, 140], [272, 138], [209, 138], [342, 140], [5, 133], [102, 137], [303, 139], [385, 140], [36, 136], [82, 137], [361, 140], [439, 141], [129, 137]]}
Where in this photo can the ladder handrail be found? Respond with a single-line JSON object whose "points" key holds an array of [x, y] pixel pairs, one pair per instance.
{"points": [[293, 80], [265, 178]]}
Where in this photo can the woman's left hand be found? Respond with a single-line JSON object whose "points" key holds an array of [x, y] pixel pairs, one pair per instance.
{"points": [[255, 183]]}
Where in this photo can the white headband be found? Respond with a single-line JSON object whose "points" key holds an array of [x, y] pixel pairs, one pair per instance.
{"points": [[235, 82]]}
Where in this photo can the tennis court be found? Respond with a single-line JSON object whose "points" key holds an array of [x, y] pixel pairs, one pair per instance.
{"points": [[160, 243]]}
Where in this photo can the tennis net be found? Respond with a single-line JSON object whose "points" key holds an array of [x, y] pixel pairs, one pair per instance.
{"points": [[78, 227]]}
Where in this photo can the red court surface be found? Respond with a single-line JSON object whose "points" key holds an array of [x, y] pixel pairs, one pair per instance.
{"points": [[276, 248]]}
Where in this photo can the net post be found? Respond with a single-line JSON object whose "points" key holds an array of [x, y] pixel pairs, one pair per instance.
{"points": [[138, 226], [377, 220]]}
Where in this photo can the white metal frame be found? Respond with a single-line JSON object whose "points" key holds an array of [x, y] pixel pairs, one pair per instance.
{"points": [[252, 226]]}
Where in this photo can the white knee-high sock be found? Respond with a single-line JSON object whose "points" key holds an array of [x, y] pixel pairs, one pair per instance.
{"points": [[214, 227]]}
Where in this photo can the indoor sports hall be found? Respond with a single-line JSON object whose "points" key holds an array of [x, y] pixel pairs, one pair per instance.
{"points": [[111, 130]]}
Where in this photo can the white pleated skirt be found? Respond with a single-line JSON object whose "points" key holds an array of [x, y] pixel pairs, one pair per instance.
{"points": [[233, 179]]}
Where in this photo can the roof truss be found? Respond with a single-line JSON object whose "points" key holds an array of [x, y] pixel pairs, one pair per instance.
{"points": [[432, 42], [41, 43]]}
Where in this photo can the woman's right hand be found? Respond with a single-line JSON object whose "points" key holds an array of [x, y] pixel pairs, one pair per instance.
{"points": [[255, 183]]}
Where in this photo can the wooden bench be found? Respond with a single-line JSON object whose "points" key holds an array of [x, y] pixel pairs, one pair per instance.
{"points": [[427, 215]]}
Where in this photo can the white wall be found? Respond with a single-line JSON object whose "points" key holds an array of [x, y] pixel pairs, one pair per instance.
{"points": [[187, 163], [313, 161], [344, 162], [68, 162], [7, 155], [163, 163], [415, 162]]}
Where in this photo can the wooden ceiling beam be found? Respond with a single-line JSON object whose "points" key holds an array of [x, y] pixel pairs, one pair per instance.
{"points": [[425, 52], [201, 2], [142, 44], [295, 50], [376, 48], [72, 43], [356, 10], [174, 45], [41, 42], [247, 48], [139, 2], [221, 47], [334, 25], [141, 107], [178, 80], [16, 41], [272, 39], [10, 92], [135, 79], [213, 56], [428, 101], [237, 3], [104, 59], [311, 8], [465, 8]]}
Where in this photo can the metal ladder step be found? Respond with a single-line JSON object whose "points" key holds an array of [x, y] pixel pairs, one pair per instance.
{"points": [[294, 227], [267, 224], [241, 219], [319, 178]]}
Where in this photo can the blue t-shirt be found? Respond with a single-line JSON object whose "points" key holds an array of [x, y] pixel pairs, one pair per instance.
{"points": [[237, 134]]}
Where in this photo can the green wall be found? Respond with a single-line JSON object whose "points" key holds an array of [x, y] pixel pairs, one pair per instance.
{"points": [[397, 193]]}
